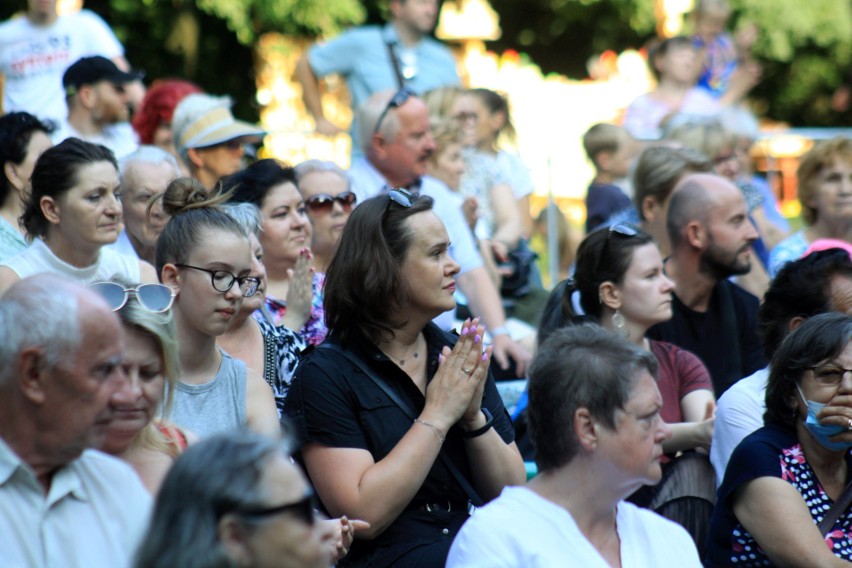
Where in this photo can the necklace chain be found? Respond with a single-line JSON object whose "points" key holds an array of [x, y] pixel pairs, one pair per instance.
{"points": [[415, 354]]}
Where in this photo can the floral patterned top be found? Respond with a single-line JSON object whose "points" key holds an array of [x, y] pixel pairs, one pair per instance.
{"points": [[771, 451], [282, 348], [314, 330]]}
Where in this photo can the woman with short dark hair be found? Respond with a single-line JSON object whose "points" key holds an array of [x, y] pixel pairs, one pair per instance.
{"points": [[403, 424], [778, 503]]}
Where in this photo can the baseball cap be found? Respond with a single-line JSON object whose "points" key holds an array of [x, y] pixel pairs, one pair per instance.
{"points": [[202, 120], [89, 70]]}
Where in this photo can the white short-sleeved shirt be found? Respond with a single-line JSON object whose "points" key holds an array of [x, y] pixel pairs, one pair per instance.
{"points": [[33, 59], [39, 258], [94, 515], [521, 529]]}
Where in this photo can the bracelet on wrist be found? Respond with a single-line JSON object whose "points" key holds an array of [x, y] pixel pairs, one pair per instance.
{"points": [[489, 422], [437, 431]]}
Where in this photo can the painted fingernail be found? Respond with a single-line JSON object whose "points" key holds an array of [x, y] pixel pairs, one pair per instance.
{"points": [[484, 357], [440, 358], [477, 339], [464, 330]]}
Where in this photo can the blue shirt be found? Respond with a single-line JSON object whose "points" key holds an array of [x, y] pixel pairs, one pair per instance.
{"points": [[361, 56]]}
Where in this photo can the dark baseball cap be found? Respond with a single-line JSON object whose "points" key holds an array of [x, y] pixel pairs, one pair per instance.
{"points": [[90, 70]]}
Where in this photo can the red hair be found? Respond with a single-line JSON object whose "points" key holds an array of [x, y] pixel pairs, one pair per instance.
{"points": [[159, 104]]}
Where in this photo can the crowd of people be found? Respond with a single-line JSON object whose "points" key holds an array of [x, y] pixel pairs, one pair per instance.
{"points": [[209, 359]]}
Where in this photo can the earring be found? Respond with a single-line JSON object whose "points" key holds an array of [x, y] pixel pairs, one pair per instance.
{"points": [[618, 323]]}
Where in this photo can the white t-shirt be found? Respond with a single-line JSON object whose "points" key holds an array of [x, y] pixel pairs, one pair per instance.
{"points": [[119, 137], [34, 58], [521, 529], [739, 412], [39, 258]]}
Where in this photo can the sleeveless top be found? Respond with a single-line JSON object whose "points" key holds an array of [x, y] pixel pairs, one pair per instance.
{"points": [[215, 406], [39, 258], [11, 241]]}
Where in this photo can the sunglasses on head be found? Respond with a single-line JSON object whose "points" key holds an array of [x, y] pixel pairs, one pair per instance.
{"points": [[302, 510], [323, 202], [153, 297], [396, 101], [624, 231]]}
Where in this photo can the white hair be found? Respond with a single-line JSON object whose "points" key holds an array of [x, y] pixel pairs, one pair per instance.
{"points": [[368, 115], [247, 215], [39, 311], [148, 154], [313, 166]]}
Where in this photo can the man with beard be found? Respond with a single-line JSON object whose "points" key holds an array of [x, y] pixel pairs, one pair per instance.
{"points": [[61, 503], [711, 237], [98, 111]]}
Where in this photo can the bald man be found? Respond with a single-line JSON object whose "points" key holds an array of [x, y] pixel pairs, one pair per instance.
{"points": [[711, 238]]}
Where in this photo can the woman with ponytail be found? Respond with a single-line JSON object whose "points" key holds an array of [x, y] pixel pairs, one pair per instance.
{"points": [[204, 256]]}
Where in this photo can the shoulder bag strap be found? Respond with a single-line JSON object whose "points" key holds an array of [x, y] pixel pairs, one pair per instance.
{"points": [[406, 409], [837, 509], [395, 63]]}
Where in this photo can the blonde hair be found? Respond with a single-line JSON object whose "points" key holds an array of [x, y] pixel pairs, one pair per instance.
{"points": [[440, 101], [603, 137], [444, 133], [709, 138], [822, 155]]}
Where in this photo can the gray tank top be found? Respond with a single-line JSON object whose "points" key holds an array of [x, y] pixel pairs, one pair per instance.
{"points": [[217, 406]]}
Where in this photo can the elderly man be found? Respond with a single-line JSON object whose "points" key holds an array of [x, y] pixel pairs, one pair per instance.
{"points": [[818, 283], [374, 59], [711, 238], [98, 111], [208, 138], [62, 504], [145, 175], [397, 149]]}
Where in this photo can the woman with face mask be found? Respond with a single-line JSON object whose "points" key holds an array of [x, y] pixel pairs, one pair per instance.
{"points": [[776, 505]]}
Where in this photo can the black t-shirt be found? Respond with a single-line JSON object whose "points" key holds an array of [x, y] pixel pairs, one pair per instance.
{"points": [[332, 403], [728, 356]]}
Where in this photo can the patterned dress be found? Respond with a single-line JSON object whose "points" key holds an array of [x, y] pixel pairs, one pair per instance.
{"points": [[771, 451]]}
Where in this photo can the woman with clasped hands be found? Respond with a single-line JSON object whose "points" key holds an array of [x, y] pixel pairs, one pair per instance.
{"points": [[784, 479], [411, 473]]}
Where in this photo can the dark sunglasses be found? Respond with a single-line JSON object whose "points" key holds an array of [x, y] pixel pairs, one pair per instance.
{"points": [[323, 203], [396, 101], [621, 230], [302, 510], [153, 297]]}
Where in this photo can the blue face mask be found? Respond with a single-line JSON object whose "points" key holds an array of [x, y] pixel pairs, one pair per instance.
{"points": [[822, 433]]}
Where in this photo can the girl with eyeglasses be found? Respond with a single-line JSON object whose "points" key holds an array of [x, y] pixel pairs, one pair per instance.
{"points": [[623, 287], [205, 257], [137, 430], [72, 211], [293, 290]]}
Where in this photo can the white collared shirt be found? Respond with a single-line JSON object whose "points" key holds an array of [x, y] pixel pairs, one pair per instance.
{"points": [[93, 516]]}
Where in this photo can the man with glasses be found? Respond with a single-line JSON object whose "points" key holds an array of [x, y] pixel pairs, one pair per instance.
{"points": [[373, 59], [98, 107], [396, 153], [210, 141], [62, 503], [711, 238]]}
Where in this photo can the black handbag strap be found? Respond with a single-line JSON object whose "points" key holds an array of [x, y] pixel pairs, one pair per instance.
{"points": [[406, 409], [395, 63], [837, 509]]}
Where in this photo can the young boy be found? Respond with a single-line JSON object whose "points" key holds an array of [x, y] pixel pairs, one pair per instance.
{"points": [[611, 149]]}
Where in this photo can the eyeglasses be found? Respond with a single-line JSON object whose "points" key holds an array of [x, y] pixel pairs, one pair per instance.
{"points": [[466, 116], [323, 203], [622, 230], [153, 297], [396, 101], [222, 280], [302, 509], [829, 374]]}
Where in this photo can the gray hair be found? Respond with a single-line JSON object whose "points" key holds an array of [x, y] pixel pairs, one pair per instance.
{"points": [[147, 154], [39, 311], [368, 115], [313, 166], [247, 215], [583, 366], [215, 477]]}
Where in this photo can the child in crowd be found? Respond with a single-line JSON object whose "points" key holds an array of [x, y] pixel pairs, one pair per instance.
{"points": [[611, 149]]}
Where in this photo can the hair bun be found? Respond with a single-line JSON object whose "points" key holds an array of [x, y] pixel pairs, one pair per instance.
{"points": [[187, 193]]}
